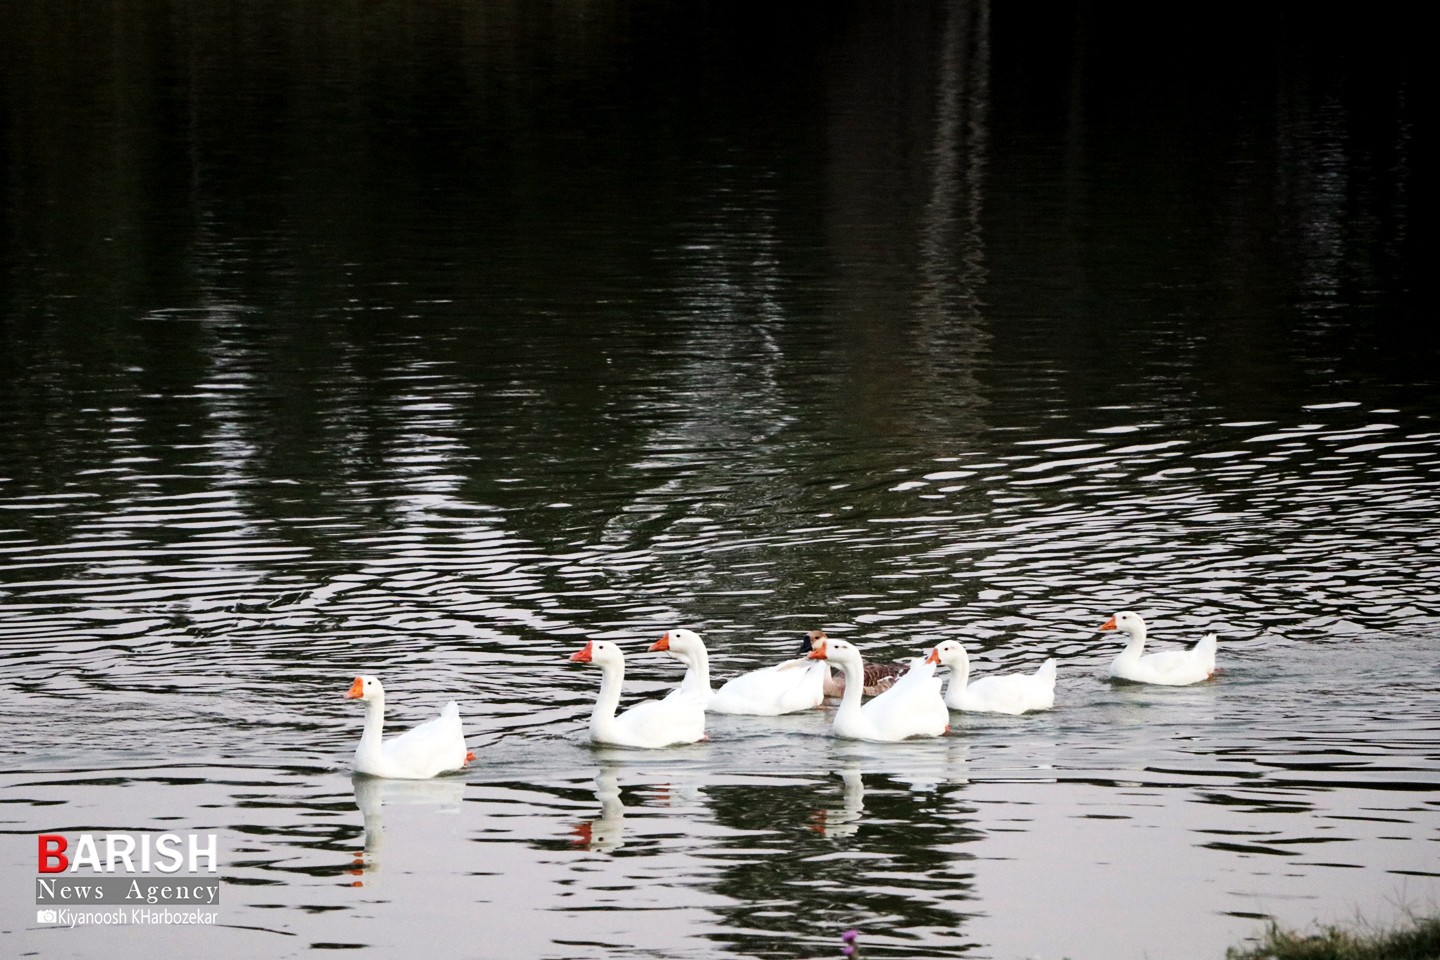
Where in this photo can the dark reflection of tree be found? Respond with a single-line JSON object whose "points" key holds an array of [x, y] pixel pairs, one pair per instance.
{"points": [[792, 876], [903, 223], [691, 263], [1205, 223]]}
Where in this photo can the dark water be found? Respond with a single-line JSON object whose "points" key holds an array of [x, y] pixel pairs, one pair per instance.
{"points": [[431, 339]]}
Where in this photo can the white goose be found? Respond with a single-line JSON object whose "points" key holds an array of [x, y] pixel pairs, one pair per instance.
{"points": [[769, 692], [1175, 668], [434, 747], [1013, 693], [687, 647], [912, 707], [649, 724]]}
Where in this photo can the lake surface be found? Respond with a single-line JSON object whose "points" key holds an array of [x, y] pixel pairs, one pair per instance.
{"points": [[431, 340]]}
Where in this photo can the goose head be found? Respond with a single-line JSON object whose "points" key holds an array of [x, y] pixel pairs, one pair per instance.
{"points": [[679, 643], [810, 641], [1126, 622], [838, 651], [598, 651], [947, 653], [365, 688]]}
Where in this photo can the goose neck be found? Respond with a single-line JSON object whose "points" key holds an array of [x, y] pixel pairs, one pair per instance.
{"points": [[612, 677], [697, 673], [374, 733], [854, 684], [959, 677]]}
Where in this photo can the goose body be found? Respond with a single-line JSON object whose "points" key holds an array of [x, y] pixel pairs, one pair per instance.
{"points": [[1012, 693], [434, 747], [651, 724], [877, 677], [785, 687], [911, 707], [1175, 668]]}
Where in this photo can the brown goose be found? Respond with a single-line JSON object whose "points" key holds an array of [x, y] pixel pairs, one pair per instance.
{"points": [[878, 676]]}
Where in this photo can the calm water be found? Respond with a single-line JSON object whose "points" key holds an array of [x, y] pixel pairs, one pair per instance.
{"points": [[432, 339]]}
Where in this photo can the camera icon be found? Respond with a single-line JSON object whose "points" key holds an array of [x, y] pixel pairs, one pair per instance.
{"points": [[46, 916]]}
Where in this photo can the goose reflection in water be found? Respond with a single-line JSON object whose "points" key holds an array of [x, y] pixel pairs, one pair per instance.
{"points": [[374, 794], [607, 831], [843, 821]]}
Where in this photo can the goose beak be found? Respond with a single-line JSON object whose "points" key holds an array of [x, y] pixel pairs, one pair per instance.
{"points": [[356, 691], [662, 644], [933, 656], [1108, 624], [818, 653], [583, 656]]}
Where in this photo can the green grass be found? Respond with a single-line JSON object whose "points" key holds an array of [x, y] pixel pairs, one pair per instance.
{"points": [[1417, 940]]}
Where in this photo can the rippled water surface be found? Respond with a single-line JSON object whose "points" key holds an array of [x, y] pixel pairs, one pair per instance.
{"points": [[433, 342]]}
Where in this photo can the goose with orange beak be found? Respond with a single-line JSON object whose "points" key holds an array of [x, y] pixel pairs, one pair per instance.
{"points": [[1012, 693], [1172, 668], [676, 719], [795, 684], [434, 747], [912, 707]]}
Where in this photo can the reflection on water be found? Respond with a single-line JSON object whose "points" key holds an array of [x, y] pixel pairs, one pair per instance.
{"points": [[373, 796], [1300, 777], [1289, 787], [605, 832], [843, 821], [473, 332]]}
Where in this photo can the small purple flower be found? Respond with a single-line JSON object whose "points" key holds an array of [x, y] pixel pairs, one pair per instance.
{"points": [[849, 949]]}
